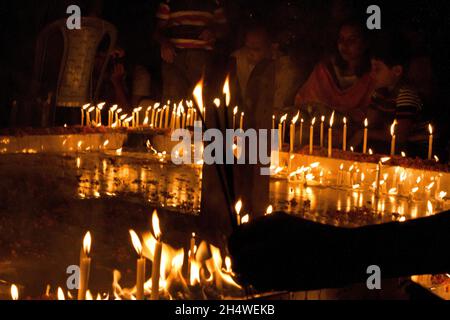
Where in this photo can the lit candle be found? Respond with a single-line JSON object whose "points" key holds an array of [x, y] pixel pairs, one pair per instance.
{"points": [[98, 119], [322, 119], [238, 208], [344, 136], [281, 131], [311, 136], [83, 109], [118, 111], [161, 116], [393, 137], [146, 118], [138, 111], [235, 111], [330, 136], [85, 266], [140, 266], [241, 125], [273, 122], [430, 142], [366, 123], [226, 91], [166, 119], [111, 114], [301, 131], [157, 257], [191, 257], [88, 115], [292, 133], [152, 120]]}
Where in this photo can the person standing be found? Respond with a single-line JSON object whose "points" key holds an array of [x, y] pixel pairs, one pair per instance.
{"points": [[187, 31]]}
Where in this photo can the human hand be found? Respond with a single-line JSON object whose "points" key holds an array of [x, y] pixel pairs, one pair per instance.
{"points": [[168, 52]]}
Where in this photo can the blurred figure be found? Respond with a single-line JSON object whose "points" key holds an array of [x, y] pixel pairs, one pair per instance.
{"points": [[341, 82], [187, 31]]}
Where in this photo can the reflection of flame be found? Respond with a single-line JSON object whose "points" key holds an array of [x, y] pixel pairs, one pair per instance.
{"points": [[136, 242], [385, 159], [442, 195], [14, 292], [87, 241], [429, 208]]}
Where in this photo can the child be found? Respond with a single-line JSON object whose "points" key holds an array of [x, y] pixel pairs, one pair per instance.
{"points": [[393, 99]]}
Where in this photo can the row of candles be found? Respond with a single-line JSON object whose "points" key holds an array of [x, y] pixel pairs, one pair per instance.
{"points": [[282, 134]]}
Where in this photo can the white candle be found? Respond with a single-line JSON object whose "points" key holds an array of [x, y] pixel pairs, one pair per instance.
{"points": [[83, 110], [330, 136], [365, 136], [344, 136], [301, 131], [235, 111], [157, 257], [85, 266], [430, 142], [292, 132], [140, 266], [311, 136], [322, 119]]}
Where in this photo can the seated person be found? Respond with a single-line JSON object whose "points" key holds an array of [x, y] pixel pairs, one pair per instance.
{"points": [[341, 82], [260, 47], [393, 99]]}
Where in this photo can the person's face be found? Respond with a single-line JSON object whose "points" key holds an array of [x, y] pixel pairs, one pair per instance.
{"points": [[351, 45], [384, 76], [258, 47]]}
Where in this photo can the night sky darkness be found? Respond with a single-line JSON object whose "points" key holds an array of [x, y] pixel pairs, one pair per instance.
{"points": [[309, 24]]}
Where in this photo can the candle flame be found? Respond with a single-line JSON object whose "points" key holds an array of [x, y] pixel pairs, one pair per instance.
{"points": [[245, 219], [283, 118], [269, 210], [235, 110], [101, 105], [294, 120], [403, 154], [313, 121], [61, 294], [155, 224], [331, 119], [430, 128], [87, 240], [91, 109], [14, 292], [217, 102], [238, 207], [344, 120], [114, 108], [322, 118], [436, 158], [385, 159], [226, 91], [136, 242], [393, 127], [366, 123], [370, 151], [86, 106], [198, 94]]}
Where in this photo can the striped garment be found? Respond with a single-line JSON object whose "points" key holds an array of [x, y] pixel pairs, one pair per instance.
{"points": [[187, 19], [401, 103]]}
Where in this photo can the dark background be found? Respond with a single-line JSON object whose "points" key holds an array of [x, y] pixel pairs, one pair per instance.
{"points": [[308, 28]]}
